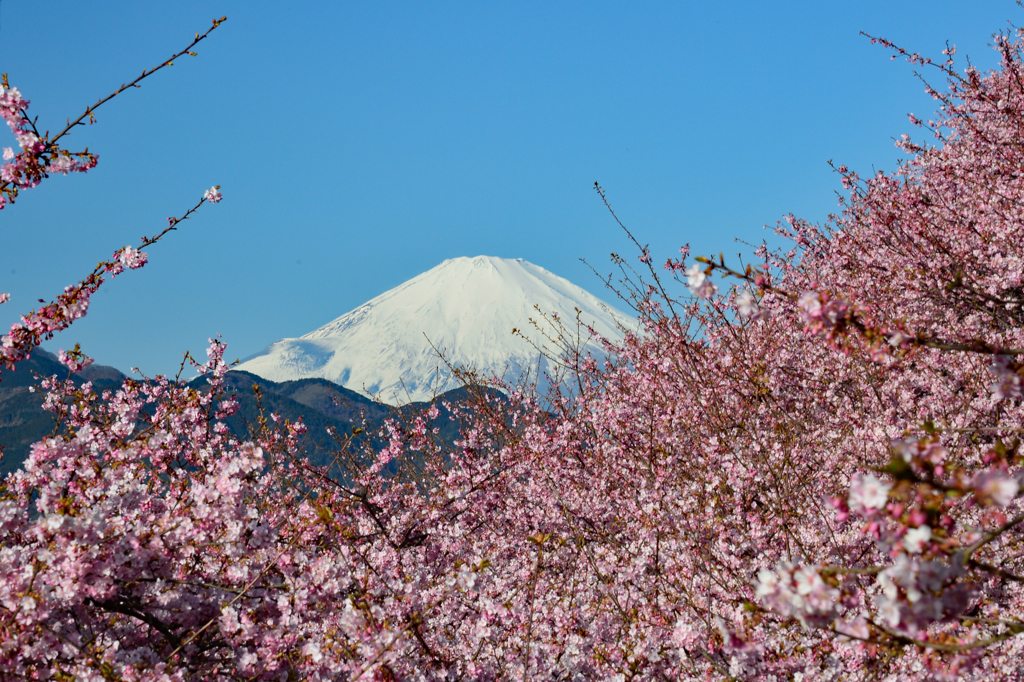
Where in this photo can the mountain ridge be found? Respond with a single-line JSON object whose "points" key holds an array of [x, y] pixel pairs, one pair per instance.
{"points": [[321, 405]]}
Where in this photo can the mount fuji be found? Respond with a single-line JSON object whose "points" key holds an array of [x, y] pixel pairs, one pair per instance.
{"points": [[466, 309]]}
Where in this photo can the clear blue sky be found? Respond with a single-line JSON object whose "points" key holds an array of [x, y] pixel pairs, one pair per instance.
{"points": [[359, 144]]}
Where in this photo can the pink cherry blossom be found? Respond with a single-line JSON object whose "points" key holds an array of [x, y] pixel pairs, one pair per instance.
{"points": [[746, 305], [916, 538], [131, 258], [867, 493], [995, 487]]}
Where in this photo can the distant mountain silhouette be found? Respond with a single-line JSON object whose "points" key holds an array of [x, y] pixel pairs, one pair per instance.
{"points": [[322, 405]]}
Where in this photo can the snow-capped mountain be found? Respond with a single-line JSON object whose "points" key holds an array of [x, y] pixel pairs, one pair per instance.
{"points": [[466, 308]]}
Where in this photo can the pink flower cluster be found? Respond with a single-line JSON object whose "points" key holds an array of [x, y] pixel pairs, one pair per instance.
{"points": [[37, 157], [42, 324], [74, 360], [699, 283], [126, 258]]}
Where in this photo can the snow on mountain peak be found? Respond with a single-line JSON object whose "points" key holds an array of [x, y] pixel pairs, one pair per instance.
{"points": [[465, 307]]}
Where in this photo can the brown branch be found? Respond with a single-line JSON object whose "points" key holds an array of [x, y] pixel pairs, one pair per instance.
{"points": [[134, 84]]}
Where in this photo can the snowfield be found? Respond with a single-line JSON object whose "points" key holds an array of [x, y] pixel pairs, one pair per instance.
{"points": [[466, 309]]}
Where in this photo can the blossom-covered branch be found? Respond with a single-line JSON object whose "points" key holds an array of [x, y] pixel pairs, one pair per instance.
{"points": [[40, 154], [42, 324]]}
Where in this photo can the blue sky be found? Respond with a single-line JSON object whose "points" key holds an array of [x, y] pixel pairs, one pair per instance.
{"points": [[359, 144]]}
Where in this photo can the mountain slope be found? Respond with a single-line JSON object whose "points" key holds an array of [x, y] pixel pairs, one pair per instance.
{"points": [[23, 420], [466, 308]]}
